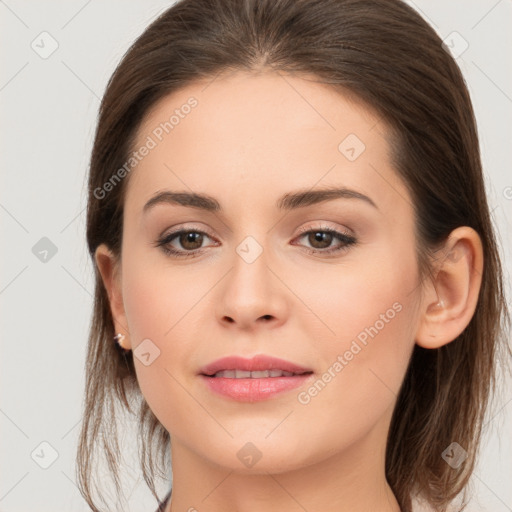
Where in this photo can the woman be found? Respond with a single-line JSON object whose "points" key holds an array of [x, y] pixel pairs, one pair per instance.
{"points": [[294, 254]]}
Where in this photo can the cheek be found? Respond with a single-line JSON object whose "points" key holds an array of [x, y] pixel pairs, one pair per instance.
{"points": [[368, 368], [367, 287], [158, 298], [365, 310], [362, 371], [160, 303]]}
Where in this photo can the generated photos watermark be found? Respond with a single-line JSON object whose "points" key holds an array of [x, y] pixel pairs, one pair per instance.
{"points": [[356, 346], [151, 142]]}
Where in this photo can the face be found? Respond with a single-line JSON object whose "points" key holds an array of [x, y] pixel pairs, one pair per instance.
{"points": [[331, 285]]}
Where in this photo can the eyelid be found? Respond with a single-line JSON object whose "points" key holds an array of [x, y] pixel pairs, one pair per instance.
{"points": [[185, 227], [322, 227]]}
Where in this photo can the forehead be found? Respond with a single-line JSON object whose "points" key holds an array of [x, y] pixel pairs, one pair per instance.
{"points": [[255, 108], [245, 136]]}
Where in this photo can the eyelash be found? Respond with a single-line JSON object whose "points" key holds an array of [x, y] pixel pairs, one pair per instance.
{"points": [[347, 239]]}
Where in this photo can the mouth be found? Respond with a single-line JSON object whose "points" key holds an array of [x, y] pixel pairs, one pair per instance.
{"points": [[261, 374], [257, 367], [251, 380]]}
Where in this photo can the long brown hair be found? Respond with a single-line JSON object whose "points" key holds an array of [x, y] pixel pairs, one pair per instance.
{"points": [[386, 55]]}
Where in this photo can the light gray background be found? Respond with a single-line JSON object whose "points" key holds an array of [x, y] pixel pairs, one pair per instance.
{"points": [[48, 109]]}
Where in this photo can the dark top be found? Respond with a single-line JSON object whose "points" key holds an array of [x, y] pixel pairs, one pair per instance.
{"points": [[164, 503]]}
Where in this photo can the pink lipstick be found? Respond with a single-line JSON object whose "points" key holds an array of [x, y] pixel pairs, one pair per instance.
{"points": [[255, 379]]}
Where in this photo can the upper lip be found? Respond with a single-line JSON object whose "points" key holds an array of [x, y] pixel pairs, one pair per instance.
{"points": [[257, 363]]}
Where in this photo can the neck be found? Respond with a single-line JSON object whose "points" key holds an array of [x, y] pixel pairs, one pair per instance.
{"points": [[352, 480]]}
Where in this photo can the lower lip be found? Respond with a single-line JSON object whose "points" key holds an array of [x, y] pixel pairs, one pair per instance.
{"points": [[254, 390]]}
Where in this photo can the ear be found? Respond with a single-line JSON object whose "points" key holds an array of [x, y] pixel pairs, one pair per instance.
{"points": [[450, 299], [110, 270]]}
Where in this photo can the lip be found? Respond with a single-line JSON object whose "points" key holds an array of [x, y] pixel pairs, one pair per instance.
{"points": [[257, 363], [253, 389]]}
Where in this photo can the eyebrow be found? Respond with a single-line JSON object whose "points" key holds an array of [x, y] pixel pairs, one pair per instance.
{"points": [[289, 201]]}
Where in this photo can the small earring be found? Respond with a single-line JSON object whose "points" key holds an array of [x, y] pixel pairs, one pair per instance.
{"points": [[119, 338]]}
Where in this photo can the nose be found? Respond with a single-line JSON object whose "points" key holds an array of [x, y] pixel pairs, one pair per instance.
{"points": [[252, 294]]}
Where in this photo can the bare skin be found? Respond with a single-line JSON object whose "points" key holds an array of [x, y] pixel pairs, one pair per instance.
{"points": [[251, 139]]}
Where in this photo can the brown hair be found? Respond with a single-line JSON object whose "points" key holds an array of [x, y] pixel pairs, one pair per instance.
{"points": [[386, 55]]}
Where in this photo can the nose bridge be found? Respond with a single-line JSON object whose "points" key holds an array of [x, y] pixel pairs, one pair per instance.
{"points": [[251, 290], [251, 241], [250, 264]]}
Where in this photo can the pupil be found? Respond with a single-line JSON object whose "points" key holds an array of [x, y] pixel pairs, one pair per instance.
{"points": [[318, 236], [193, 239]]}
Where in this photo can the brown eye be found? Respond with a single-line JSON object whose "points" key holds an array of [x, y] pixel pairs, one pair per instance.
{"points": [[320, 239], [186, 243], [191, 240]]}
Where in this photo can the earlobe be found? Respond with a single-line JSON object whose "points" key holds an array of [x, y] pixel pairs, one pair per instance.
{"points": [[450, 300], [110, 271]]}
